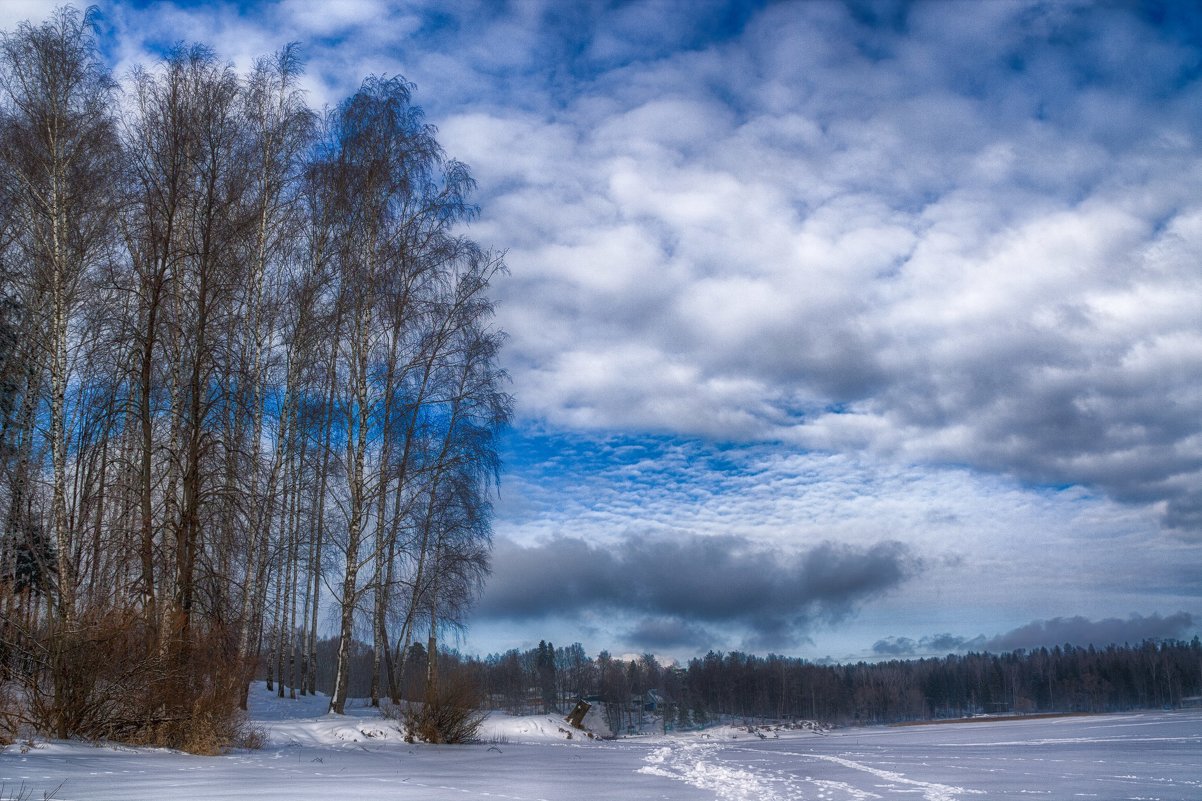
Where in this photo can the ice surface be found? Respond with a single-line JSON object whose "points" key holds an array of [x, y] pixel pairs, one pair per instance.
{"points": [[311, 756]]}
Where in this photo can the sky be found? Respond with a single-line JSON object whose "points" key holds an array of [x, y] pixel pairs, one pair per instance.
{"points": [[837, 330]]}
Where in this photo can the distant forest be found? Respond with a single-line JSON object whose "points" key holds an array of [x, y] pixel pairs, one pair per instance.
{"points": [[755, 688], [248, 370]]}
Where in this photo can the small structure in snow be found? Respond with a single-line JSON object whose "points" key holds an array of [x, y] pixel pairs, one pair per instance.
{"points": [[576, 716]]}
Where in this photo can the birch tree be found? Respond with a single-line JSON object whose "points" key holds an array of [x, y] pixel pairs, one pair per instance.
{"points": [[281, 128], [60, 153]]}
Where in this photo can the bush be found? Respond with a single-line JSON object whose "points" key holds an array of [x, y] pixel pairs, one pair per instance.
{"points": [[11, 716], [85, 682], [108, 679], [451, 717]]}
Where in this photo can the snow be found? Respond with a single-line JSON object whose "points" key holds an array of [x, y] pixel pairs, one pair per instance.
{"points": [[312, 756]]}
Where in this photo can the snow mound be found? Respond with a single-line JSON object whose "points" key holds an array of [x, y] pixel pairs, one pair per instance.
{"points": [[594, 721], [503, 727], [307, 721]]}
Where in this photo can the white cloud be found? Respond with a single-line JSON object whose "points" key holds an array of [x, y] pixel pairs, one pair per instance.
{"points": [[14, 12], [978, 266], [321, 18]]}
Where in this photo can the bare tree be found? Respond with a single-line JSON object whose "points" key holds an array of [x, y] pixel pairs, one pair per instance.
{"points": [[59, 148], [400, 197], [281, 127]]}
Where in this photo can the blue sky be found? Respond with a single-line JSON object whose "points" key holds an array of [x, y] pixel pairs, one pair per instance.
{"points": [[837, 329]]}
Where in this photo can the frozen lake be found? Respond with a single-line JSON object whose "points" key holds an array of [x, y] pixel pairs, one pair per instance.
{"points": [[1154, 755], [1135, 756]]}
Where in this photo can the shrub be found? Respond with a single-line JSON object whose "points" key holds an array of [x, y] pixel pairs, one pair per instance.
{"points": [[451, 716], [10, 716], [87, 681], [109, 678]]}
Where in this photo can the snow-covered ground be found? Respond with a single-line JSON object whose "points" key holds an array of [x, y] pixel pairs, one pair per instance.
{"points": [[310, 756]]}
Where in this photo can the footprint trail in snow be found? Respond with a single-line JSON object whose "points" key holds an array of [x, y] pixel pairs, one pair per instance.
{"points": [[710, 767]]}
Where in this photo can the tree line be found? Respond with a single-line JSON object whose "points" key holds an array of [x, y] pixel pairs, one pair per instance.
{"points": [[248, 372], [742, 686]]}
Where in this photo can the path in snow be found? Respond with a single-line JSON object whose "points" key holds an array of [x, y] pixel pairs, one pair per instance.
{"points": [[735, 774]]}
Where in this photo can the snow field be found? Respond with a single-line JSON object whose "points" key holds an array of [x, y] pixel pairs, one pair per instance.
{"points": [[311, 756]]}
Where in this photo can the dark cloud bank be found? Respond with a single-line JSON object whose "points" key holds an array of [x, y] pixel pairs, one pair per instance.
{"points": [[1078, 631], [674, 588]]}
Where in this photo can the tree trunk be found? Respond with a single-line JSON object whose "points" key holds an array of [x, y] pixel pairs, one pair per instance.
{"points": [[357, 425]]}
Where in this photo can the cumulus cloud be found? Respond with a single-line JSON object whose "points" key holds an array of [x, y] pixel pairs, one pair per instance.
{"points": [[948, 642], [955, 239], [895, 646], [940, 234], [1081, 631], [662, 633], [676, 585], [15, 12], [1077, 631], [934, 644]]}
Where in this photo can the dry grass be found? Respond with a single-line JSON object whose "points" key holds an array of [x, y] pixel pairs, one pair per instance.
{"points": [[24, 793]]}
